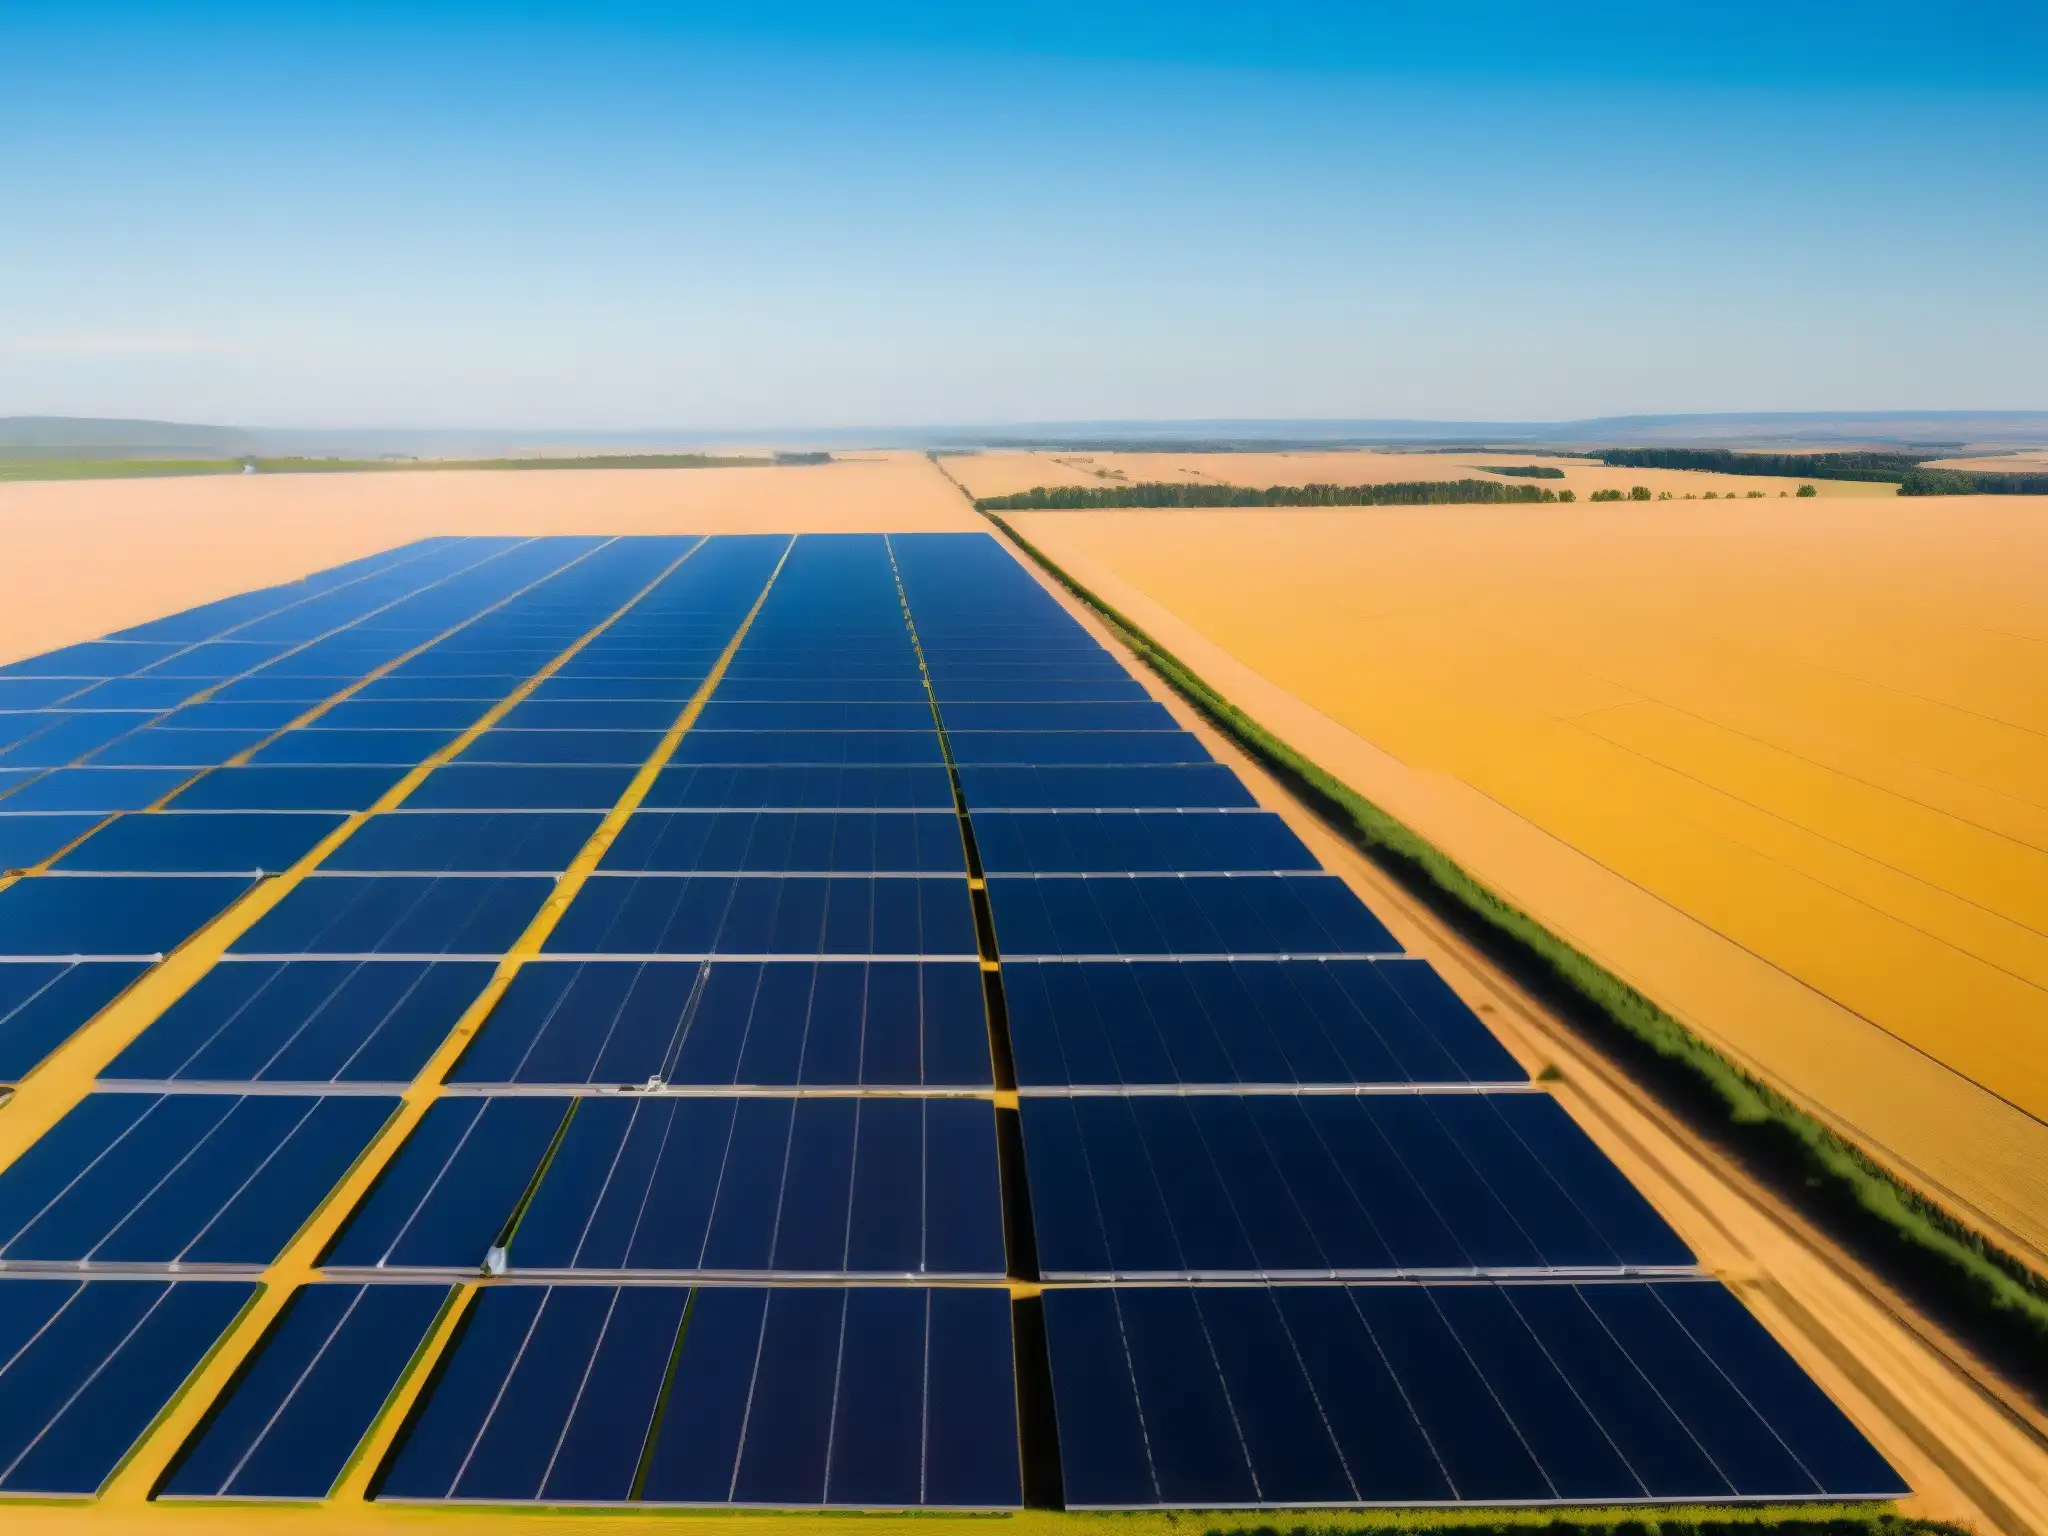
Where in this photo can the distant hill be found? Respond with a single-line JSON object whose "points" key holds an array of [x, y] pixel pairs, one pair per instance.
{"points": [[102, 437]]}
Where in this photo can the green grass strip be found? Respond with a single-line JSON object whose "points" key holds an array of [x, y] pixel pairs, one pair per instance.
{"points": [[1987, 1295]]}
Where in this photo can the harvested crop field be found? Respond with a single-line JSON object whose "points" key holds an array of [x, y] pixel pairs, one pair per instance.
{"points": [[126, 550], [1004, 474], [1782, 768]]}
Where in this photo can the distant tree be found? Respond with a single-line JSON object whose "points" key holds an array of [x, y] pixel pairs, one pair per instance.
{"points": [[1807, 490], [1639, 493]]}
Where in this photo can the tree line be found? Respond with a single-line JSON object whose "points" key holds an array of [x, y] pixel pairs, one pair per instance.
{"points": [[1860, 465], [1152, 493]]}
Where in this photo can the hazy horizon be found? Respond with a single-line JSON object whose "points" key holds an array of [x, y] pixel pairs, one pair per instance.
{"points": [[644, 219]]}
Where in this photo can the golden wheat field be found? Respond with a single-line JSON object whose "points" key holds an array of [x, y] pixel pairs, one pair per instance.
{"points": [[1004, 474], [1783, 766]]}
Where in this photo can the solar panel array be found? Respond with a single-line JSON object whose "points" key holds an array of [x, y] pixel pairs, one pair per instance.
{"points": [[775, 1021]]}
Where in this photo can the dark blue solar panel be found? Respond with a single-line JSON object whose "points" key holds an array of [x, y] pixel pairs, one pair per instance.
{"points": [[144, 693], [1076, 748], [1310, 1185], [772, 842], [819, 787], [141, 1178], [783, 1024], [455, 841], [86, 1368], [1324, 1395], [823, 1186], [758, 690], [235, 715], [1194, 786], [313, 746], [913, 714], [218, 660], [200, 843], [67, 739], [1101, 915], [288, 789], [28, 840], [656, 715], [94, 658], [404, 714], [305, 1021], [1076, 715], [1250, 1022], [399, 915], [292, 1420], [673, 692], [1141, 842], [44, 1005], [614, 747], [92, 789], [851, 748], [110, 915], [860, 1398], [1100, 690], [161, 747], [466, 787], [40, 692], [766, 915]]}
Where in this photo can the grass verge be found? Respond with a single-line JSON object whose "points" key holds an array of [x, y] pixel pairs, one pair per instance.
{"points": [[1987, 1296]]}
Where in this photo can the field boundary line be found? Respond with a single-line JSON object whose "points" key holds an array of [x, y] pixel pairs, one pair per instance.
{"points": [[1908, 1236]]}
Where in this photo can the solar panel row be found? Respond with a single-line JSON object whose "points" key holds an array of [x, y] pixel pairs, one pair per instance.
{"points": [[757, 1048]]}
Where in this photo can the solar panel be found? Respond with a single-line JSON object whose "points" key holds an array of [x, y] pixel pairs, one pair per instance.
{"points": [[812, 788], [1326, 1185], [292, 1421], [305, 1021], [199, 843], [1201, 786], [766, 915], [737, 1024], [548, 714], [112, 915], [287, 789], [1183, 915], [781, 748], [43, 1004], [380, 713], [776, 842], [1287, 1023], [861, 1398], [1076, 748], [314, 746], [88, 1366], [1325, 1395], [435, 842], [187, 1178], [470, 787], [630, 748], [28, 840], [1140, 842], [398, 915]]}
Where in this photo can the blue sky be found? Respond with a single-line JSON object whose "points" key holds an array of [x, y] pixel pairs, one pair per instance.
{"points": [[639, 216]]}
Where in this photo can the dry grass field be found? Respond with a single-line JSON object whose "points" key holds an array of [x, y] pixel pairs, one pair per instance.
{"points": [[1784, 767], [80, 558], [1004, 474]]}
